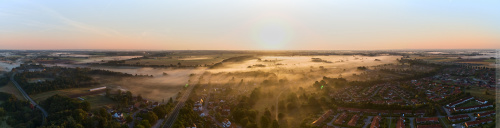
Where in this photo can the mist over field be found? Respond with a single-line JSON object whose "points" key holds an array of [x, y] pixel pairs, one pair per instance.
{"points": [[299, 69]]}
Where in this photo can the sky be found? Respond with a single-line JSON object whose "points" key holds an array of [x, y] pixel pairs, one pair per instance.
{"points": [[250, 25]]}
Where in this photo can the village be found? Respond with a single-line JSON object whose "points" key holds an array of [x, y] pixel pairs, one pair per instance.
{"points": [[460, 110]]}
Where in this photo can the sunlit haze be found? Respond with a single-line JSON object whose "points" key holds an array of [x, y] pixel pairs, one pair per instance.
{"points": [[250, 25]]}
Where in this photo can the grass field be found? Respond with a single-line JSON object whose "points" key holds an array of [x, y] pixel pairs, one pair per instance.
{"points": [[10, 88], [393, 122], [479, 93], [444, 122], [42, 96], [185, 59], [98, 101], [468, 103]]}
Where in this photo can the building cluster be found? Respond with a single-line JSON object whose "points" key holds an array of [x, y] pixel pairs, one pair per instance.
{"points": [[377, 94], [454, 106]]}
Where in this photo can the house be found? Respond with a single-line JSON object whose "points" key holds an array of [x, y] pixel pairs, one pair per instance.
{"points": [[376, 122], [408, 112], [427, 120], [322, 118], [486, 114], [481, 101], [453, 104], [226, 110], [472, 108], [430, 126], [191, 126], [197, 108], [118, 115], [354, 120], [400, 123], [155, 104], [137, 105], [477, 122], [227, 124], [198, 103], [341, 118], [458, 118]]}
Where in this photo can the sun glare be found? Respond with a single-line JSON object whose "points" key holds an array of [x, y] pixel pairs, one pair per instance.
{"points": [[272, 35]]}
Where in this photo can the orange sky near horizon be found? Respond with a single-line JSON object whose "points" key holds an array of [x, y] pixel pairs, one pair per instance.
{"points": [[249, 25]]}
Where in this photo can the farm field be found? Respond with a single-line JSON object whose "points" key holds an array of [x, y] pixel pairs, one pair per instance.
{"points": [[479, 93], [66, 92], [98, 101], [10, 88]]}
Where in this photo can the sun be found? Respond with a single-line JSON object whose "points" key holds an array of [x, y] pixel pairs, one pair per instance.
{"points": [[272, 35]]}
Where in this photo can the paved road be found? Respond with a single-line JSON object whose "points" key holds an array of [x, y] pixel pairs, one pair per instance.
{"points": [[173, 115], [334, 118], [412, 123], [390, 121], [132, 124], [446, 110], [27, 97], [367, 121]]}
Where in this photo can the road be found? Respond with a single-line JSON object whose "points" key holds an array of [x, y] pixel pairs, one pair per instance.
{"points": [[27, 97], [132, 124], [390, 121], [412, 125], [367, 121], [173, 115]]}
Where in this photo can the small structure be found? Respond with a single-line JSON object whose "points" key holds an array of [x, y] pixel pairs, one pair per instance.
{"points": [[99, 88], [191, 126], [354, 120], [486, 114], [376, 122], [430, 126], [453, 104], [400, 123], [458, 118], [427, 120], [478, 122], [118, 115], [227, 124], [322, 118]]}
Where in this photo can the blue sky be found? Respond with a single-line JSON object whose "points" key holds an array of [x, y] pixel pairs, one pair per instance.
{"points": [[250, 25]]}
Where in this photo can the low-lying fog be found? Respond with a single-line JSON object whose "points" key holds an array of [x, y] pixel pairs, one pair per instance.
{"points": [[300, 70]]}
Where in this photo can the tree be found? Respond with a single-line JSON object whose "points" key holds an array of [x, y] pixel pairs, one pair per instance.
{"points": [[107, 92], [129, 119], [139, 98], [119, 94], [265, 121], [275, 124], [145, 123], [486, 92], [128, 94], [281, 116]]}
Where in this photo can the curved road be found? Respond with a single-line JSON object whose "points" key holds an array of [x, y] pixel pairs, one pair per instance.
{"points": [[27, 97]]}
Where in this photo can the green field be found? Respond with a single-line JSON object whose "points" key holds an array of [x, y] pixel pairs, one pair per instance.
{"points": [[468, 103], [184, 59], [98, 101], [479, 93], [11, 89], [42, 96]]}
